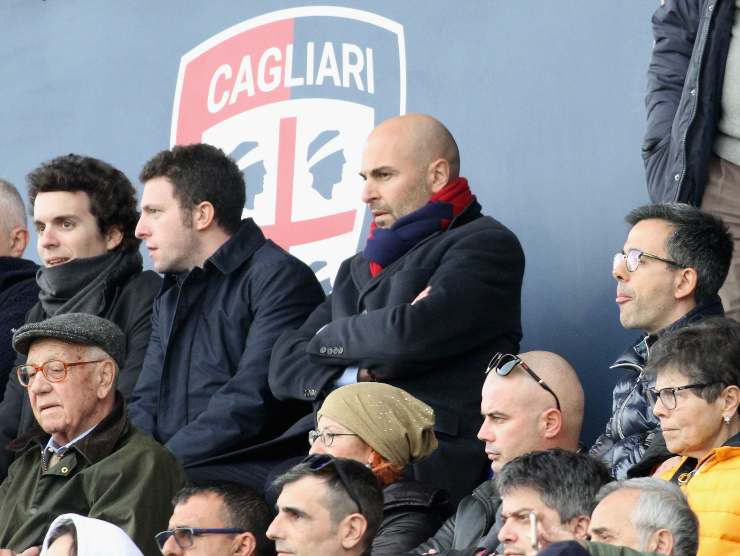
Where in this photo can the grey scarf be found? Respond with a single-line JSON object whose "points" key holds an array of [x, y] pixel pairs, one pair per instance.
{"points": [[79, 286]]}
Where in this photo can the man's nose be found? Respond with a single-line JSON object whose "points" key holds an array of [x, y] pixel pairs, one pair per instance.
{"points": [[171, 548], [273, 531], [39, 384], [485, 433], [47, 238], [368, 192], [619, 269], [141, 230], [507, 533]]}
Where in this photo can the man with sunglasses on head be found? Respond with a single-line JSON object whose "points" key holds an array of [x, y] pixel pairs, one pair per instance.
{"points": [[217, 519], [672, 265], [532, 401], [83, 455], [326, 507]]}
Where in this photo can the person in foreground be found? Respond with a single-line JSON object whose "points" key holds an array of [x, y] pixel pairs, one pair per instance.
{"points": [[385, 428], [533, 401], [645, 514], [436, 291], [77, 535], [83, 455], [218, 519], [697, 396], [327, 507]]}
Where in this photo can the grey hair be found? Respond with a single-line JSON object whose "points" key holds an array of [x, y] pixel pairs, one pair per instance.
{"points": [[661, 505], [11, 206]]}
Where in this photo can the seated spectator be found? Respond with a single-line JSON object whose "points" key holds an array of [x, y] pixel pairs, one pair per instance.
{"points": [[77, 535], [328, 507], [84, 212], [18, 288], [228, 294], [386, 429], [547, 496], [668, 273], [696, 396], [533, 401], [650, 515], [83, 456], [220, 519]]}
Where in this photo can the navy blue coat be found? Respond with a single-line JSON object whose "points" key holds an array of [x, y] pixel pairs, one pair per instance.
{"points": [[203, 389], [436, 349], [684, 95]]}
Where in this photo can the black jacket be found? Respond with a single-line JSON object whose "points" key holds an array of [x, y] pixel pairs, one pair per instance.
{"points": [[632, 427], [129, 294], [203, 389], [412, 511], [436, 349], [684, 94], [18, 293], [474, 519]]}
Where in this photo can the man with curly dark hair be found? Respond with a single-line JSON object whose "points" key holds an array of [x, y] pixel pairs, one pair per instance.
{"points": [[84, 213], [228, 294]]}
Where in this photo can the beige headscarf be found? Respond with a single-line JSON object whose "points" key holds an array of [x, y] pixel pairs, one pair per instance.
{"points": [[390, 420]]}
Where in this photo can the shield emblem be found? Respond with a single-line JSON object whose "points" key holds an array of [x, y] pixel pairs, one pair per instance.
{"points": [[291, 95]]}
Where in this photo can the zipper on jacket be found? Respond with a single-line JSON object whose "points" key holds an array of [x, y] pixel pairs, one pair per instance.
{"points": [[620, 411]]}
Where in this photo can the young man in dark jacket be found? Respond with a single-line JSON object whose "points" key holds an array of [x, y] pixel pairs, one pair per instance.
{"points": [[673, 263], [84, 212], [228, 294], [18, 289], [434, 294], [692, 142]]}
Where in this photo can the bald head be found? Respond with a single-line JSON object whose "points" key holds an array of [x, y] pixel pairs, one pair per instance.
{"points": [[521, 416], [421, 138], [13, 231]]}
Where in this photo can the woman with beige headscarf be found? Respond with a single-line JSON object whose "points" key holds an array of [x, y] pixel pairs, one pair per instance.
{"points": [[385, 428]]}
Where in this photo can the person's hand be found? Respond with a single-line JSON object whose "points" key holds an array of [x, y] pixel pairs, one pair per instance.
{"points": [[363, 375], [32, 551], [425, 292]]}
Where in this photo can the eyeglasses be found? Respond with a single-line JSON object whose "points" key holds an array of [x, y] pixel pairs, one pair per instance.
{"points": [[184, 535], [53, 371], [327, 438], [504, 363], [317, 462], [668, 395], [633, 257]]}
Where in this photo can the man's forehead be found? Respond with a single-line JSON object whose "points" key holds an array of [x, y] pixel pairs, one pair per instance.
{"points": [[522, 499], [651, 233], [43, 349], [55, 204], [305, 493], [196, 508]]}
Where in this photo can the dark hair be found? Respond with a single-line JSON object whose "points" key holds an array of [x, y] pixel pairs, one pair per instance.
{"points": [[707, 351], [200, 173], [112, 197], [65, 527], [339, 503], [566, 481], [699, 240], [243, 508]]}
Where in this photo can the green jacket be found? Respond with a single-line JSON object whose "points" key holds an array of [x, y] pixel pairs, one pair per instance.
{"points": [[116, 473], [598, 549]]}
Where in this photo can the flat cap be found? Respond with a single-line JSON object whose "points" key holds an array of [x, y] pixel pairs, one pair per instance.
{"points": [[76, 328]]}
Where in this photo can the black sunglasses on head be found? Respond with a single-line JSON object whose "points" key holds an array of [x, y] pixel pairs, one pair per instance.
{"points": [[504, 363], [317, 462]]}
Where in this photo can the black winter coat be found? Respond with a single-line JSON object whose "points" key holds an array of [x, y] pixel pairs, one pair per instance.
{"points": [[684, 95], [473, 520], [632, 427], [129, 294], [436, 349], [412, 512], [203, 389], [18, 293]]}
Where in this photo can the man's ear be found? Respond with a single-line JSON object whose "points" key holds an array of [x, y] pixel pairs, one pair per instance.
{"points": [[18, 241], [552, 421], [351, 530], [113, 237], [106, 378], [661, 542], [579, 527], [245, 544], [685, 283], [203, 215], [438, 174]]}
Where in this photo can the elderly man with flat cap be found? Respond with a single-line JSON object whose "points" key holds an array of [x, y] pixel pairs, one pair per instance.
{"points": [[83, 456]]}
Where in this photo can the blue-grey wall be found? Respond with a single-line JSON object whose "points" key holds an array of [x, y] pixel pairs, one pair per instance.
{"points": [[545, 99]]}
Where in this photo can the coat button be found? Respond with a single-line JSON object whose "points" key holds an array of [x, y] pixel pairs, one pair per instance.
{"points": [[322, 350], [64, 470], [341, 350], [677, 177], [692, 92]]}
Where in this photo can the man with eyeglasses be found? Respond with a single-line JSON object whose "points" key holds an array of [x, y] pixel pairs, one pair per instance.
{"points": [[532, 401], [217, 519], [327, 507], [672, 265], [83, 456]]}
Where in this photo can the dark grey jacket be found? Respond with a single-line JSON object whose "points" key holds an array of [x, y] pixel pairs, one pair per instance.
{"points": [[685, 78]]}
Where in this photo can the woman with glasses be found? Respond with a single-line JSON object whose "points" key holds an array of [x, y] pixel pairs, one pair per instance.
{"points": [[77, 535], [386, 428], [696, 397]]}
